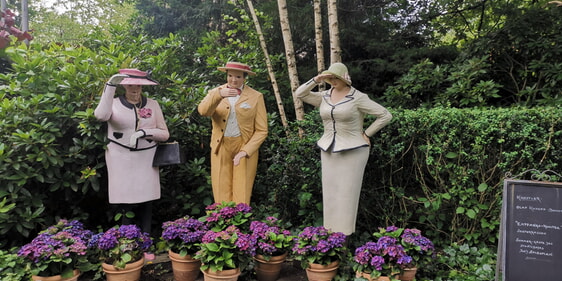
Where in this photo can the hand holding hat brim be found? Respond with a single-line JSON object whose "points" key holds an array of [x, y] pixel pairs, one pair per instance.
{"points": [[136, 77], [116, 79]]}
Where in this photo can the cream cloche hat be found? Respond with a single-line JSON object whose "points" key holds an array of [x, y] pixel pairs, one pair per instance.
{"points": [[339, 70]]}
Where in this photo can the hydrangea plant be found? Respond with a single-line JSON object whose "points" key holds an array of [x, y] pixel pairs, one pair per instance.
{"points": [[416, 246], [219, 216], [316, 244], [226, 249], [121, 245], [271, 238], [58, 250], [183, 235], [394, 250]]}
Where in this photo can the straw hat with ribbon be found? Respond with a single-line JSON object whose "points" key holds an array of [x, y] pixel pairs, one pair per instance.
{"points": [[236, 66]]}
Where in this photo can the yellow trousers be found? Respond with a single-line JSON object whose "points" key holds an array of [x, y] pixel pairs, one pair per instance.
{"points": [[232, 183]]}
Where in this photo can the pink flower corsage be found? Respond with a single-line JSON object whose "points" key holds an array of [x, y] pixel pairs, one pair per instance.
{"points": [[145, 112]]}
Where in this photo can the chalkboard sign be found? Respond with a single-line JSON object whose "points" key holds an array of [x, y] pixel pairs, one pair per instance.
{"points": [[531, 231]]}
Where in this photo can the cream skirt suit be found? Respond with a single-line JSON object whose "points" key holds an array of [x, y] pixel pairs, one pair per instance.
{"points": [[344, 150]]}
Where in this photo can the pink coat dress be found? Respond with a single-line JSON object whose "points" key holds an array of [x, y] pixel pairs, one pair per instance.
{"points": [[131, 177]]}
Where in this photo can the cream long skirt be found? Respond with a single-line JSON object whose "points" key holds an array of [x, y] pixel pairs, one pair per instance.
{"points": [[342, 177]]}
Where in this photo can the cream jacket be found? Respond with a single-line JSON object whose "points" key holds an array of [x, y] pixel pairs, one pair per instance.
{"points": [[343, 121]]}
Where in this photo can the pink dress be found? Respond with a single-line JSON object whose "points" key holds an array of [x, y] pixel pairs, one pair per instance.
{"points": [[131, 177]]}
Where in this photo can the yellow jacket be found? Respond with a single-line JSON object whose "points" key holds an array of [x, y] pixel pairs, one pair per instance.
{"points": [[250, 113]]}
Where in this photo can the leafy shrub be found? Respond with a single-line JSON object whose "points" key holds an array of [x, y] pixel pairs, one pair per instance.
{"points": [[461, 84], [465, 263], [13, 267], [288, 179], [52, 149]]}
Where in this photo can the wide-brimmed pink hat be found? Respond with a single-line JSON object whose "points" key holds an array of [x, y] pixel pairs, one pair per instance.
{"points": [[232, 65], [136, 77]]}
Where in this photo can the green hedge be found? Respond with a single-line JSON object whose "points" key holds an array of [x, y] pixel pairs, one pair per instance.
{"points": [[442, 169], [439, 169]]}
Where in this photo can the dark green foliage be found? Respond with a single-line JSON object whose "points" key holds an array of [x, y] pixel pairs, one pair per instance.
{"points": [[517, 63], [462, 263], [456, 85], [190, 19], [524, 56], [288, 180]]}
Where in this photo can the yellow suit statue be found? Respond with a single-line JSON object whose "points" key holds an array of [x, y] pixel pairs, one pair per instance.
{"points": [[239, 121]]}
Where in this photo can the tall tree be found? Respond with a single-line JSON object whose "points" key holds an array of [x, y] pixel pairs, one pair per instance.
{"points": [[290, 56], [25, 18], [318, 36], [270, 70], [333, 27]]}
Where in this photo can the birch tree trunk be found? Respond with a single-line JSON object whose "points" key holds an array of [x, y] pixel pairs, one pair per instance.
{"points": [[3, 5], [290, 54], [269, 67], [319, 38], [335, 48], [25, 18]]}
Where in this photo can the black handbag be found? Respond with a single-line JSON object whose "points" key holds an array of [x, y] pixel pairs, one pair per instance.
{"points": [[168, 153]]}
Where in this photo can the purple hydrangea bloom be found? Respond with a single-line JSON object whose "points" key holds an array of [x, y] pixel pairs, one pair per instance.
{"points": [[318, 244], [63, 244], [414, 237], [246, 244], [130, 231], [117, 241], [395, 249], [271, 238], [185, 230], [220, 216]]}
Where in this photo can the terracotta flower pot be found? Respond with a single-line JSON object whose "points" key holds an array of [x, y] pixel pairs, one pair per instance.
{"points": [[318, 272], [408, 274], [368, 277], [131, 272], [57, 277], [268, 270], [222, 275], [185, 268]]}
